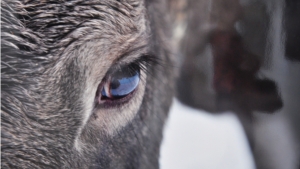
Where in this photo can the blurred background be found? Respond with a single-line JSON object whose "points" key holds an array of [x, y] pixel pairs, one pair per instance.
{"points": [[198, 139], [238, 88]]}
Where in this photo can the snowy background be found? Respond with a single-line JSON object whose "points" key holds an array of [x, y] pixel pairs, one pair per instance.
{"points": [[197, 139]]}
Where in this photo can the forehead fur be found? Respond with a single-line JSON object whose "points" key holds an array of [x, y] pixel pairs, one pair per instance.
{"points": [[47, 27]]}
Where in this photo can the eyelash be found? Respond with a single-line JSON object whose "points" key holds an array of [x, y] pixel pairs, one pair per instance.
{"points": [[142, 64], [145, 62]]}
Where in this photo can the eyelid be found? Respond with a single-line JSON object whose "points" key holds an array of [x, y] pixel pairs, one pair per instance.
{"points": [[144, 62]]}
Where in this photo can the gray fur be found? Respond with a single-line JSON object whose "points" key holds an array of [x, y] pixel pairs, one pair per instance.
{"points": [[50, 52]]}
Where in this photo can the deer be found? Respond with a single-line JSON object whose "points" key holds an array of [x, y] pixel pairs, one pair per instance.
{"points": [[88, 84], [84, 84]]}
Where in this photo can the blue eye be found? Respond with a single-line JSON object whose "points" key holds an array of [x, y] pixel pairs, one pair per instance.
{"points": [[121, 84]]}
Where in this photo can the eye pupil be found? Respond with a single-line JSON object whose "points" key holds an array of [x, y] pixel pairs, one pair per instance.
{"points": [[121, 84], [124, 86], [114, 84]]}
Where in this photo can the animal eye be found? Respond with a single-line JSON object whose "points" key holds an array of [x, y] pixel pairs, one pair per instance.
{"points": [[121, 83]]}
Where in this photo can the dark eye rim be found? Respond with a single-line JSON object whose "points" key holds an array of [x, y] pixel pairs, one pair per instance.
{"points": [[108, 103]]}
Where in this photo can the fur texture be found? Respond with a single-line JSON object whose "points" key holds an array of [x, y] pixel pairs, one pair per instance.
{"points": [[54, 54]]}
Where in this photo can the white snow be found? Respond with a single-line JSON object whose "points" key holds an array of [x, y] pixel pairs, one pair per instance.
{"points": [[194, 139]]}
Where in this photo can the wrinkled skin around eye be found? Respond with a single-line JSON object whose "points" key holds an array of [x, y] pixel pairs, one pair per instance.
{"points": [[121, 84]]}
